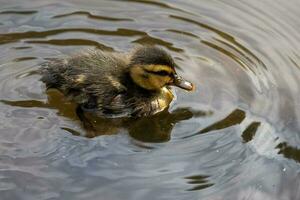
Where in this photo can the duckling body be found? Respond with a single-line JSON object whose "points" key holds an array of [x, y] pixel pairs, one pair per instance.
{"points": [[114, 84]]}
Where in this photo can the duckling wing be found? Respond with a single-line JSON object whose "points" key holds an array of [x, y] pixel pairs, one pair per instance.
{"points": [[116, 107]]}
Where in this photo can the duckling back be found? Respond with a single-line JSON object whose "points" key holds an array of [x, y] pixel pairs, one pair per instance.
{"points": [[87, 78]]}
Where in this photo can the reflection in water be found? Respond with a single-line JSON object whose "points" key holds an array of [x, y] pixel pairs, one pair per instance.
{"points": [[24, 59], [200, 182], [28, 12], [158, 128], [55, 100], [144, 38], [70, 42], [288, 151], [155, 128], [152, 129], [14, 37], [89, 15], [250, 131], [236, 117]]}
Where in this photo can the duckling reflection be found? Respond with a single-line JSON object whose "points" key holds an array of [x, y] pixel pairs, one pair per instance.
{"points": [[156, 128]]}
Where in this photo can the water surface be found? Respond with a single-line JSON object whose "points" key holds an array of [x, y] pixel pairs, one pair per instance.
{"points": [[236, 137]]}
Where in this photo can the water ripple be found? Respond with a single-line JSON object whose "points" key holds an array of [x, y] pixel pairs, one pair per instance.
{"points": [[15, 37], [16, 12], [91, 16], [235, 137]]}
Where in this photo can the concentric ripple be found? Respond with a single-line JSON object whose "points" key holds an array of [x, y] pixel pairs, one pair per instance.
{"points": [[236, 137]]}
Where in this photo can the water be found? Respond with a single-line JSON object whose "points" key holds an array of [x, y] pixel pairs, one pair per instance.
{"points": [[236, 137]]}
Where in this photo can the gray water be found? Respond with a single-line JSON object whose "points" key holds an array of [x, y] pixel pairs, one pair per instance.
{"points": [[236, 137]]}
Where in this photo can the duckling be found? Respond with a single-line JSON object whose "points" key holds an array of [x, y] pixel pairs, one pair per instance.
{"points": [[116, 84]]}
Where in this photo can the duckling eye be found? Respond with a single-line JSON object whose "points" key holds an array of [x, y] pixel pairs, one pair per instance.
{"points": [[160, 73]]}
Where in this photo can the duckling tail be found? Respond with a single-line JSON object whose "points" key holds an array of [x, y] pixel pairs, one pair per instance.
{"points": [[51, 76]]}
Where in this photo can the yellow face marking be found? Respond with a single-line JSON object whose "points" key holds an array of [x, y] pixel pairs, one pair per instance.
{"points": [[157, 68], [148, 77]]}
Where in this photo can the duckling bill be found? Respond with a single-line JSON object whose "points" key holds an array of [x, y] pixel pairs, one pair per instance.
{"points": [[115, 84]]}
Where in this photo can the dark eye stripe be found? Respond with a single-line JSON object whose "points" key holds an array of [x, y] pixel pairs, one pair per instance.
{"points": [[160, 73]]}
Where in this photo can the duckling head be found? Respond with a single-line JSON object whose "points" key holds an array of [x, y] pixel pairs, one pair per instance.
{"points": [[153, 68]]}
